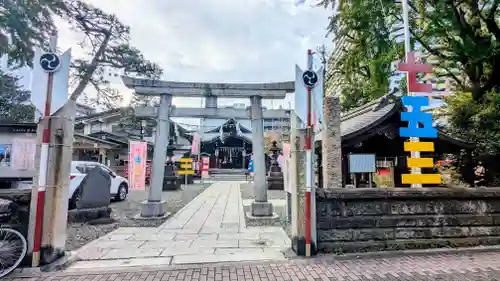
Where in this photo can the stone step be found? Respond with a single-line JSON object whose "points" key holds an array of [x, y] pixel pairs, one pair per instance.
{"points": [[215, 171]]}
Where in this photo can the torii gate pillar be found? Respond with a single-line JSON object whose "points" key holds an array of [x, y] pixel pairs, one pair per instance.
{"points": [[155, 206], [260, 207]]}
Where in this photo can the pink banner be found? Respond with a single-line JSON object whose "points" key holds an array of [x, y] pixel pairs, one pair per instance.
{"points": [[286, 149], [205, 165], [137, 164], [195, 146]]}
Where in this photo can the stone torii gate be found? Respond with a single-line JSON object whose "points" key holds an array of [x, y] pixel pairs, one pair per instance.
{"points": [[154, 206]]}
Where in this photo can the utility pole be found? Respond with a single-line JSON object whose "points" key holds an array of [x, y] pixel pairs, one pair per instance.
{"points": [[321, 50], [309, 141]]}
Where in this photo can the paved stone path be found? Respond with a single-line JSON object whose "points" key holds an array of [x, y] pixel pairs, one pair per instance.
{"points": [[211, 228], [452, 267]]}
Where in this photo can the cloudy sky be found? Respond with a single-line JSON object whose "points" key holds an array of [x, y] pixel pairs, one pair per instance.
{"points": [[218, 40]]}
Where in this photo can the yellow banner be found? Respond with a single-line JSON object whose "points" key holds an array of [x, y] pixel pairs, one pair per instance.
{"points": [[186, 172], [186, 166], [186, 160]]}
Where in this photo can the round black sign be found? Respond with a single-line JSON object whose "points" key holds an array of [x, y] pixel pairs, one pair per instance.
{"points": [[310, 78], [50, 62]]}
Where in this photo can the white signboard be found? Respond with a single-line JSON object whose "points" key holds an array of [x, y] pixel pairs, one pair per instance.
{"points": [[286, 168], [362, 163], [301, 98], [23, 154], [60, 83]]}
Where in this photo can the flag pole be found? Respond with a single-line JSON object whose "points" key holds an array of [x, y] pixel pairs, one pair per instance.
{"points": [[408, 49], [44, 162], [309, 164]]}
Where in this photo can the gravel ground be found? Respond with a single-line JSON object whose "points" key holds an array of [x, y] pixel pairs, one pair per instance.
{"points": [[123, 212], [247, 192]]}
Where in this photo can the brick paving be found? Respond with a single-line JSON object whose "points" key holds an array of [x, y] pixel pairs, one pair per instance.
{"points": [[453, 267]]}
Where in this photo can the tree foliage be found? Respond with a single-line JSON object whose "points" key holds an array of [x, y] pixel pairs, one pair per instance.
{"points": [[109, 51], [463, 37], [25, 25], [369, 49], [106, 41], [475, 121], [15, 104], [141, 100]]}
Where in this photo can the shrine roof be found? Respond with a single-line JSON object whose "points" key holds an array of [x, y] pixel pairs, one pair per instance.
{"points": [[95, 139], [114, 138], [209, 137], [360, 120], [367, 116], [214, 125]]}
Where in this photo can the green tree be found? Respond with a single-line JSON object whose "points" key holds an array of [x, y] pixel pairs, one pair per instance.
{"points": [[458, 36], [25, 25], [130, 121], [461, 39], [107, 42], [475, 121], [141, 100], [365, 64], [14, 101]]}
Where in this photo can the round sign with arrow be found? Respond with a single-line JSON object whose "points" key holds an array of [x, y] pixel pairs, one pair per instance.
{"points": [[50, 62], [310, 78]]}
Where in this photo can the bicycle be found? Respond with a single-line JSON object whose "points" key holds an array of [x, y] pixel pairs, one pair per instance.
{"points": [[13, 245]]}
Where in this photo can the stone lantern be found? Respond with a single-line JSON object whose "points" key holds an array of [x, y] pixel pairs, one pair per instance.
{"points": [[170, 179], [275, 178]]}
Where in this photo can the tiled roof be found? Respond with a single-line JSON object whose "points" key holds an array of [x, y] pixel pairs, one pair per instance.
{"points": [[365, 117]]}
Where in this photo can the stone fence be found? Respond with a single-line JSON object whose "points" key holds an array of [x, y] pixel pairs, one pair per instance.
{"points": [[373, 219]]}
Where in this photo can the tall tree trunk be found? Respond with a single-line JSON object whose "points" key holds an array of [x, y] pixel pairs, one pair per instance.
{"points": [[90, 69]]}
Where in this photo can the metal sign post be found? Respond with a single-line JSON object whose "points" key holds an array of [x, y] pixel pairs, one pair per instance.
{"points": [[187, 168], [50, 63], [310, 78]]}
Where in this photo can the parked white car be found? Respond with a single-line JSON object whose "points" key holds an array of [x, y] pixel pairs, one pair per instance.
{"points": [[118, 189]]}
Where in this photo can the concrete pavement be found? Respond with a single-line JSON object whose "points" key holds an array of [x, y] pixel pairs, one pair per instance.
{"points": [[211, 228], [454, 267]]}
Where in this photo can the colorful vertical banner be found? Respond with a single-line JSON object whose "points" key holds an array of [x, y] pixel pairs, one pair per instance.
{"points": [[419, 123], [137, 164], [195, 145], [205, 165]]}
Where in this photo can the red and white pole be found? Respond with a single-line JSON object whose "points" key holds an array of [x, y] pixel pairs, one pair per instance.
{"points": [[309, 163], [44, 162]]}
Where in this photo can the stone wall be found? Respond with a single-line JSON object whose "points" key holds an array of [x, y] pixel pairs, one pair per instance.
{"points": [[364, 219]]}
